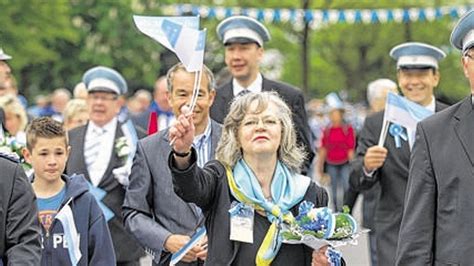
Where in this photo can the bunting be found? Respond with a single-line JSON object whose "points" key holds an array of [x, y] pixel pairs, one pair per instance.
{"points": [[317, 17]]}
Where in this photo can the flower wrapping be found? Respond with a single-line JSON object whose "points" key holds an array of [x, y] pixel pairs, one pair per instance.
{"points": [[317, 227]]}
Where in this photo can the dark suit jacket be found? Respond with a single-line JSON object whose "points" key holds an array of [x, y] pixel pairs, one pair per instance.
{"points": [[20, 242], [151, 209], [209, 189], [438, 225], [292, 96], [141, 121], [392, 177], [125, 246]]}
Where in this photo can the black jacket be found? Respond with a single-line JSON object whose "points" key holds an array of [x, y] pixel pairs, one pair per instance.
{"points": [[19, 225], [125, 246], [95, 242], [208, 188]]}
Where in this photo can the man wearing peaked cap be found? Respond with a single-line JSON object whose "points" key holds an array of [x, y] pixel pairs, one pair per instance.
{"points": [[417, 75], [105, 79], [5, 73], [437, 225], [243, 38], [242, 29], [8, 84], [95, 154]]}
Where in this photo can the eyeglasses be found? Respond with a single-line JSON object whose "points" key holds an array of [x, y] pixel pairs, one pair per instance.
{"points": [[267, 121], [469, 54], [96, 97]]}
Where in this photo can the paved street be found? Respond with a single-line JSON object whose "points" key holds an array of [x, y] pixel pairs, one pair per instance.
{"points": [[357, 255]]}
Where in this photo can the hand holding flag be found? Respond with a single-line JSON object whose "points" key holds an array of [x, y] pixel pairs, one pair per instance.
{"points": [[403, 112]]}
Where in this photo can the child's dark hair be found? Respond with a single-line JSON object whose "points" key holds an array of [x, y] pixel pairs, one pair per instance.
{"points": [[44, 127]]}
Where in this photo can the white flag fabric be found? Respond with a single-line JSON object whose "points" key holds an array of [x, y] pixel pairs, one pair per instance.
{"points": [[70, 232], [187, 43], [152, 26], [179, 34], [404, 112]]}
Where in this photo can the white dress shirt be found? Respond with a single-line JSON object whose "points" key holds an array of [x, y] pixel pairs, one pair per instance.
{"points": [[98, 168], [255, 86]]}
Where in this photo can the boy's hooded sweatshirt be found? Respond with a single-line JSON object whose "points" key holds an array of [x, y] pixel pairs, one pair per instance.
{"points": [[85, 227]]}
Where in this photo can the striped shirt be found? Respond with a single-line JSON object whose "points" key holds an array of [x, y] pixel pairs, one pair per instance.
{"points": [[202, 145]]}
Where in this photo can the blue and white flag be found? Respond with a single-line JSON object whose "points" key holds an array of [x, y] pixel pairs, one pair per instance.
{"points": [[405, 113], [181, 35], [152, 26], [195, 239], [73, 238], [187, 43]]}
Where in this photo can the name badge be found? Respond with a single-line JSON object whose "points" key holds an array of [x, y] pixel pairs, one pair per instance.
{"points": [[241, 222]]}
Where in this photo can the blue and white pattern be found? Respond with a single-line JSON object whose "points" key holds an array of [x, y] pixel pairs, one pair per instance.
{"points": [[317, 17]]}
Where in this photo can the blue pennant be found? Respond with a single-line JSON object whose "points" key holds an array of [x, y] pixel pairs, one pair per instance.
{"points": [[406, 16], [358, 17], [390, 16], [276, 15], [398, 133], [374, 18], [421, 15], [342, 17]]}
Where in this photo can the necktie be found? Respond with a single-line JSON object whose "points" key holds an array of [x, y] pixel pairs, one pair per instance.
{"points": [[242, 93], [92, 147]]}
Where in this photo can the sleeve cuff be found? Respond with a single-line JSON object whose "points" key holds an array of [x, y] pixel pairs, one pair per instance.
{"points": [[367, 173]]}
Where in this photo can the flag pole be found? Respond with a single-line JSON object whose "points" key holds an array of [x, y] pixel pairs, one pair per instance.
{"points": [[383, 133], [197, 83]]}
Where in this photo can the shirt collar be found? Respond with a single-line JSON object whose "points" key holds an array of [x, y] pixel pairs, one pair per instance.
{"points": [[432, 105], [204, 136], [109, 127], [255, 86]]}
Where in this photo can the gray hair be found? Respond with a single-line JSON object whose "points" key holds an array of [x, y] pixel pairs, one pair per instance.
{"points": [[180, 66], [228, 149], [378, 88]]}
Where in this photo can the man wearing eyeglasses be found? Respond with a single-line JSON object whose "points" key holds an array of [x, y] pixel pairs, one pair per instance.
{"points": [[418, 75], [438, 224], [97, 153]]}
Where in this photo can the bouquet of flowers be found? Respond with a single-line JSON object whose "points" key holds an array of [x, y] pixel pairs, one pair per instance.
{"points": [[317, 227], [11, 146]]}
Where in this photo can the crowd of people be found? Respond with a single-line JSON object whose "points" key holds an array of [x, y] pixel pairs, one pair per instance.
{"points": [[114, 179]]}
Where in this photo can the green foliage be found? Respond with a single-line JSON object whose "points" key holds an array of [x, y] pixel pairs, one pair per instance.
{"points": [[54, 42]]}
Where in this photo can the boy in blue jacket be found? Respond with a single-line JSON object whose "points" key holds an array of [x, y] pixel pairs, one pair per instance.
{"points": [[74, 230]]}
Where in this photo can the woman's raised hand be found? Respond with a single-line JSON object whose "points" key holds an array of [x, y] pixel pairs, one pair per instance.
{"points": [[181, 133]]}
